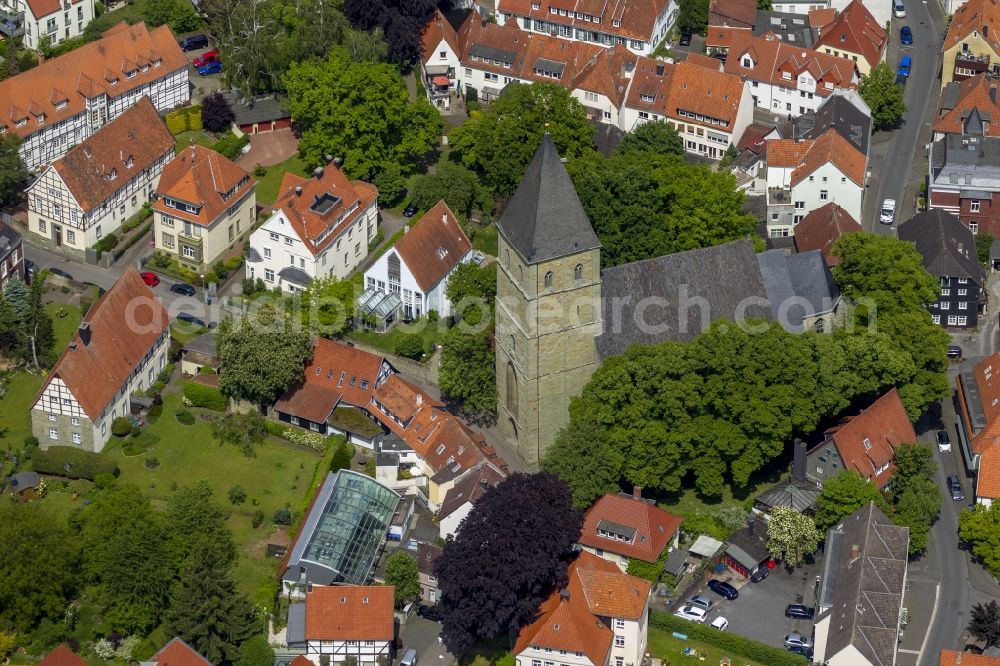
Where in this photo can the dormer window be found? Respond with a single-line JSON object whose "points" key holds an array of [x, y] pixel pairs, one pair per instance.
{"points": [[157, 62], [616, 24], [647, 98], [867, 443], [130, 74], [746, 62], [21, 122], [786, 76], [442, 253], [535, 6], [40, 118], [129, 162]]}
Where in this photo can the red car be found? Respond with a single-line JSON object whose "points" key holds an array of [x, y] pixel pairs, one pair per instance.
{"points": [[206, 57], [150, 278]]}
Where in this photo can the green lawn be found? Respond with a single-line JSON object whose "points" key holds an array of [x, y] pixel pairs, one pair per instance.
{"points": [[662, 644], [183, 140], [63, 327], [278, 476], [430, 331], [486, 239], [268, 184]]}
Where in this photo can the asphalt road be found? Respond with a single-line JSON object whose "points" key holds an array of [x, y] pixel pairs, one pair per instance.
{"points": [[893, 170]]}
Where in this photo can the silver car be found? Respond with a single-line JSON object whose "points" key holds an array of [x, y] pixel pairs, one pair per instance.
{"points": [[795, 639], [701, 601]]}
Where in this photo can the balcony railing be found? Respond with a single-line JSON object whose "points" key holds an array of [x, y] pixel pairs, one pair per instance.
{"points": [[11, 23]]}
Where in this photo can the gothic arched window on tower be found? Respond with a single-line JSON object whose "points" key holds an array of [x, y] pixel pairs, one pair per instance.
{"points": [[548, 280], [511, 389], [578, 273]]}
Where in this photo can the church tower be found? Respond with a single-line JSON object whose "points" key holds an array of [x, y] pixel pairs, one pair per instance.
{"points": [[548, 305]]}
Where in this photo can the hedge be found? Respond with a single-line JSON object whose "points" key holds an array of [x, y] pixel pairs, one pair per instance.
{"points": [[205, 397], [231, 145], [183, 120], [83, 464], [725, 640]]}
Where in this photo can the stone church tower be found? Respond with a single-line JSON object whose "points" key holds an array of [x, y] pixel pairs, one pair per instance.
{"points": [[548, 305]]}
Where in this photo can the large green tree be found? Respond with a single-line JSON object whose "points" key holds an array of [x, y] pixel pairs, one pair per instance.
{"points": [[39, 569], [643, 205], [193, 513], [984, 622], [255, 652], [879, 90], [206, 610], [468, 372], [980, 528], [842, 495], [401, 572], [13, 171], [244, 431], [261, 356], [328, 306], [791, 535], [25, 327], [458, 186], [582, 457], [659, 138], [500, 141], [360, 112]]}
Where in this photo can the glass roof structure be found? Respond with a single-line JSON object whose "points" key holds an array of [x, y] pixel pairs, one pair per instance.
{"points": [[379, 303], [344, 531]]}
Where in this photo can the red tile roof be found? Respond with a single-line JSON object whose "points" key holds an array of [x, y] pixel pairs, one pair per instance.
{"points": [[178, 653], [570, 619], [437, 30], [822, 227], [433, 246], [470, 488], [982, 16], [633, 19], [62, 656], [987, 376], [771, 58], [979, 93], [350, 613], [301, 660], [753, 138], [988, 477], [855, 30], [831, 148], [87, 72], [718, 37], [786, 153], [99, 166], [125, 324], [689, 86], [350, 201], [734, 13], [953, 658], [821, 17], [654, 527], [884, 425], [204, 178]]}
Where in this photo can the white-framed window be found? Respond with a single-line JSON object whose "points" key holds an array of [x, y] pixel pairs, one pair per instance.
{"points": [[273, 236], [952, 320], [75, 420], [41, 226], [71, 237], [288, 240], [962, 320], [619, 623], [945, 305], [946, 292], [824, 195], [974, 228], [973, 206], [963, 280], [53, 433], [168, 241], [619, 641], [963, 305], [52, 417], [188, 252], [936, 319], [97, 231], [76, 438], [963, 292], [269, 275]]}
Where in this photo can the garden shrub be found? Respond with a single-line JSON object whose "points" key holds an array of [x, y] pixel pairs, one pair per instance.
{"points": [[233, 263], [275, 428], [103, 480], [184, 417], [206, 397], [82, 464], [258, 519], [135, 431], [409, 345], [30, 445], [726, 640], [107, 243], [121, 426], [155, 412], [342, 457], [313, 440], [282, 517]]}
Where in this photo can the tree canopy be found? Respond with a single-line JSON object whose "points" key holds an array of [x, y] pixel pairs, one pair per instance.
{"points": [[360, 112], [791, 535], [980, 528], [531, 520], [984, 622], [452, 182], [13, 171], [644, 205], [26, 333], [401, 572], [468, 372], [500, 141], [914, 492], [328, 306], [879, 90], [402, 22], [261, 356], [842, 495], [581, 453], [658, 137], [216, 114]]}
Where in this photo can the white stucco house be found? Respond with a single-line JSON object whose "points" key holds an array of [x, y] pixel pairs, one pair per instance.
{"points": [[321, 227], [120, 348], [418, 266], [35, 20], [97, 186], [463, 494]]}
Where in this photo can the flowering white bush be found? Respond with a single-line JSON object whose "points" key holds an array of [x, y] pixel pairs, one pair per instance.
{"points": [[105, 649], [126, 649], [305, 438]]}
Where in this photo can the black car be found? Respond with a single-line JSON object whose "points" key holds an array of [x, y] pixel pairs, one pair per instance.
{"points": [[183, 289], [410, 210], [954, 351], [804, 651], [190, 319], [685, 37], [759, 575], [429, 613], [955, 488], [723, 589], [193, 42], [61, 273], [799, 612]]}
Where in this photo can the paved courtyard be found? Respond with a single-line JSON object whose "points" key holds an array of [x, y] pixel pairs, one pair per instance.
{"points": [[421, 635], [269, 148]]}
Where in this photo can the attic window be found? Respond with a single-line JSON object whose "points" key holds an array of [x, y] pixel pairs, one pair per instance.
{"points": [[364, 600], [556, 627], [616, 24], [329, 373], [647, 98], [113, 174], [319, 370], [19, 123], [61, 105], [343, 600], [129, 163], [130, 74], [442, 253], [157, 62], [354, 379], [364, 383], [868, 443], [41, 119], [340, 382], [440, 449]]}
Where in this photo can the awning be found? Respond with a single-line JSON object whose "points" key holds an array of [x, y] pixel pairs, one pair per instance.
{"points": [[491, 91], [440, 81], [295, 275], [705, 546]]}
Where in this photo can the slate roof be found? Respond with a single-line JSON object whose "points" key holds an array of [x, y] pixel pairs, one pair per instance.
{"points": [[95, 372], [470, 488], [545, 219], [652, 527], [838, 113], [426, 554], [723, 275], [433, 246], [203, 344], [946, 244], [823, 227], [749, 549], [801, 279], [297, 625], [868, 591], [9, 240], [350, 613], [791, 28], [257, 110], [23, 481]]}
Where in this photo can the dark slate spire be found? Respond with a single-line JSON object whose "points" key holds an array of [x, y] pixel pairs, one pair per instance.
{"points": [[545, 219]]}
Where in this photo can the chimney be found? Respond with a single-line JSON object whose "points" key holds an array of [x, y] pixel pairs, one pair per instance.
{"points": [[444, 218], [329, 159], [637, 492], [564, 595], [750, 527], [855, 552], [798, 460], [318, 172], [659, 69], [84, 332], [298, 190], [337, 162]]}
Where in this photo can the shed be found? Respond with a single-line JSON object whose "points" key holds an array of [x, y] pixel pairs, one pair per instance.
{"points": [[199, 353], [800, 496], [705, 547], [676, 564], [24, 485], [746, 549]]}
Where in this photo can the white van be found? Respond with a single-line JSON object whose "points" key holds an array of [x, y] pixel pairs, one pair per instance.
{"points": [[409, 658], [898, 10]]}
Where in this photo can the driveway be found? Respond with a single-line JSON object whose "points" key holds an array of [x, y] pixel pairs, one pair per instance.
{"points": [[269, 148], [421, 635]]}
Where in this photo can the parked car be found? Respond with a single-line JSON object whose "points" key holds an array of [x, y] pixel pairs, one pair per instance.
{"points": [[898, 9], [685, 37], [60, 272], [183, 289], [193, 42], [429, 612], [799, 612], [213, 67], [955, 488], [759, 575], [804, 651], [888, 211], [692, 613], [206, 57], [905, 64], [720, 623], [150, 278], [701, 601], [943, 441], [190, 319], [478, 258], [410, 210], [905, 36], [795, 639], [723, 589], [720, 56], [954, 351]]}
